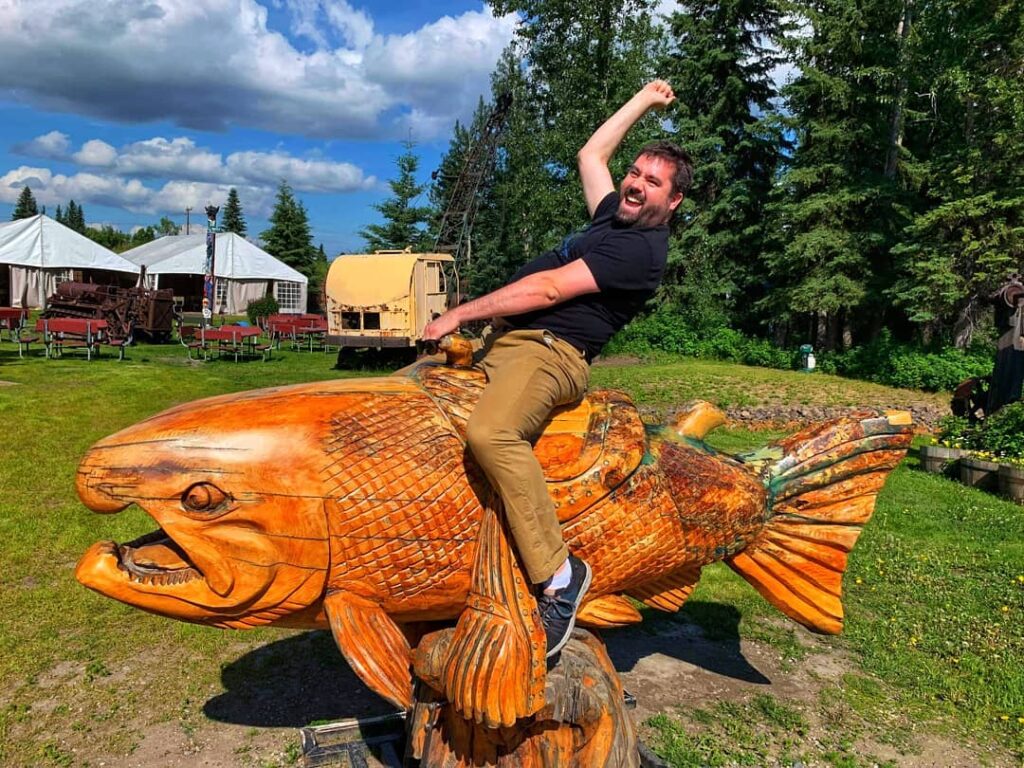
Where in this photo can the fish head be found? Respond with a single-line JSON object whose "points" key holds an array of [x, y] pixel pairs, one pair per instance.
{"points": [[234, 485]]}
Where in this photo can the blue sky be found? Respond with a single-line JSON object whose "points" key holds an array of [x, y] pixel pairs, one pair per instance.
{"points": [[138, 108]]}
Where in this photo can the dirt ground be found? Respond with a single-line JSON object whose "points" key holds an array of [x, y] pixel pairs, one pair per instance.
{"points": [[269, 691]]}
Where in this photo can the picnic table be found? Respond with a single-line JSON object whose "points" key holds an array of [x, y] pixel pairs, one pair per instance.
{"points": [[303, 330], [237, 340], [65, 333]]}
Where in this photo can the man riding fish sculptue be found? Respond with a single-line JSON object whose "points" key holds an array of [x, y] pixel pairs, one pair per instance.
{"points": [[552, 320]]}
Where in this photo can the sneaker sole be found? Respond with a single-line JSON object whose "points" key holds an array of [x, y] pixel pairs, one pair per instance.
{"points": [[576, 607]]}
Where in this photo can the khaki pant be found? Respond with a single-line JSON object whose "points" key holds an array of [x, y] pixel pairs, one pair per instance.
{"points": [[529, 373]]}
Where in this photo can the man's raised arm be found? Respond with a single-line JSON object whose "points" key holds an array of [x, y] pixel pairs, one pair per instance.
{"points": [[593, 158]]}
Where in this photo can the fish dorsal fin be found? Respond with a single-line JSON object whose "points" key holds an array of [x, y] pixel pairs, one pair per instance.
{"points": [[372, 644], [668, 592], [607, 612], [824, 490]]}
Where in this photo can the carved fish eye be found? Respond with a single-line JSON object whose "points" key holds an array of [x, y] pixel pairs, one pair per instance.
{"points": [[203, 497]]}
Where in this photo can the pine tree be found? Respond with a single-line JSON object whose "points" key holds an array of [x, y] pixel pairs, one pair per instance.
{"points": [[967, 236], [405, 222], [74, 217], [58, 215], [233, 220], [571, 66], [835, 212], [288, 238], [25, 208], [720, 65]]}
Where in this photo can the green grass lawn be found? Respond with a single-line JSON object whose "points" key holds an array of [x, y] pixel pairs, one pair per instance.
{"points": [[934, 593]]}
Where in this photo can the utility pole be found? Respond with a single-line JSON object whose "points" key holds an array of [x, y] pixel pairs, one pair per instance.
{"points": [[188, 210]]}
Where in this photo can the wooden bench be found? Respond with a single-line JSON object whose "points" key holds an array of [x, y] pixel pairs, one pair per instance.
{"points": [[64, 333]]}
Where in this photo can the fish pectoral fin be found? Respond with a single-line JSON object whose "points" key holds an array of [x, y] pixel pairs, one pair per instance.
{"points": [[607, 612], [669, 592], [372, 644]]}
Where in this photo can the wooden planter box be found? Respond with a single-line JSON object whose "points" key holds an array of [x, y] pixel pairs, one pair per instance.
{"points": [[938, 458], [1011, 482], [979, 473]]}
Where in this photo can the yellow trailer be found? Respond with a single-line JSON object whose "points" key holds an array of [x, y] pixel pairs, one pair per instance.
{"points": [[384, 299]]}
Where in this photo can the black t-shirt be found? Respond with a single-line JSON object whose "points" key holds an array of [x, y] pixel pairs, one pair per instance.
{"points": [[627, 263]]}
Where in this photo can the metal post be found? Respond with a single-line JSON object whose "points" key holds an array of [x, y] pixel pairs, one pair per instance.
{"points": [[209, 281]]}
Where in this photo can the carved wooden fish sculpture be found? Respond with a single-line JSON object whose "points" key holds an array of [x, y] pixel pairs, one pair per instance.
{"points": [[353, 504]]}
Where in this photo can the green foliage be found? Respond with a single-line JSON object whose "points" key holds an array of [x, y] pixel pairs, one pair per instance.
{"points": [[119, 241], [288, 238], [902, 365], [667, 330], [404, 222], [26, 207], [956, 432], [1002, 433], [720, 62], [233, 220], [258, 309], [166, 226], [73, 217]]}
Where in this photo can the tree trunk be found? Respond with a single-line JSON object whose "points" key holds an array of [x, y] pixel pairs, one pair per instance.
{"points": [[900, 97]]}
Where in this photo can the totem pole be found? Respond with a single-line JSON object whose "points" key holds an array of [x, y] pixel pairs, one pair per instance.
{"points": [[209, 281]]}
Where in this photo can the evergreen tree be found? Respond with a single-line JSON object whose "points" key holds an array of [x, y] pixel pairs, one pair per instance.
{"points": [[288, 238], [835, 213], [571, 66], [166, 226], [404, 222], [58, 215], [25, 208], [233, 220], [721, 65], [967, 236], [75, 217]]}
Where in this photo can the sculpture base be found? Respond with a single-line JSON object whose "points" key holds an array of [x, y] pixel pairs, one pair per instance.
{"points": [[584, 722]]}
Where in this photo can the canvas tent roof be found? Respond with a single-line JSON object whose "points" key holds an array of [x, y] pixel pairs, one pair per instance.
{"points": [[235, 258], [40, 242]]}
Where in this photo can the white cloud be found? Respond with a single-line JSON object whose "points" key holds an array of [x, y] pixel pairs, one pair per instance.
{"points": [[52, 189], [96, 153], [51, 146], [208, 64]]}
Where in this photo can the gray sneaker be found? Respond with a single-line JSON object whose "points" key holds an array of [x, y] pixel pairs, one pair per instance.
{"points": [[558, 611]]}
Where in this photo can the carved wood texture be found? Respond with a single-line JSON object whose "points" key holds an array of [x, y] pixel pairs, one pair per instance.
{"points": [[353, 504]]}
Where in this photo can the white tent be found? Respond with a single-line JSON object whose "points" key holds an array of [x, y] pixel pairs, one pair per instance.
{"points": [[41, 252], [244, 272]]}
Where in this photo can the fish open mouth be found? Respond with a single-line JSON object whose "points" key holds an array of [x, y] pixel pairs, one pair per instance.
{"points": [[155, 558]]}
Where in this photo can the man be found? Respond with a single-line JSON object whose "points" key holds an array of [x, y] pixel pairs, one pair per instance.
{"points": [[554, 318]]}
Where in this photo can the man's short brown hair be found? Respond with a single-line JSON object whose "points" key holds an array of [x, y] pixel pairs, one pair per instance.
{"points": [[667, 150]]}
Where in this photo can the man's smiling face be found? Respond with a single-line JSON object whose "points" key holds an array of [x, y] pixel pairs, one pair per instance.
{"points": [[646, 195]]}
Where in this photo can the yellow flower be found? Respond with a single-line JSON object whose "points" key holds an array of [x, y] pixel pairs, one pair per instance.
{"points": [[860, 580], [1005, 609], [1004, 718]]}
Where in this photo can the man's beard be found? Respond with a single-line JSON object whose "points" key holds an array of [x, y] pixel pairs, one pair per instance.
{"points": [[644, 217]]}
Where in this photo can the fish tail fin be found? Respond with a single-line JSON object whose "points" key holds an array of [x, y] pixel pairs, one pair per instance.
{"points": [[821, 492]]}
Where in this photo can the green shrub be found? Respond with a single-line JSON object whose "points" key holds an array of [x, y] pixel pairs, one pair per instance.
{"points": [[1002, 433], [259, 309], [901, 365], [884, 360], [956, 432]]}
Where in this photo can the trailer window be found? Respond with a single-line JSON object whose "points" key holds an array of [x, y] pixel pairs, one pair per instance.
{"points": [[350, 321], [435, 277], [371, 321]]}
